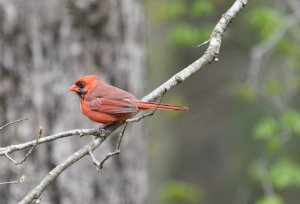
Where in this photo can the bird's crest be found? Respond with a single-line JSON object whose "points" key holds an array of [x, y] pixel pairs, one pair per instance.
{"points": [[83, 84]]}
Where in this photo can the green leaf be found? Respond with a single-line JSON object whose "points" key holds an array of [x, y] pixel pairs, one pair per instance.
{"points": [[201, 8], [176, 191], [182, 34], [204, 33], [291, 121], [271, 199], [284, 46], [272, 144], [272, 87], [168, 10], [266, 129], [265, 20], [285, 173], [185, 34], [245, 92]]}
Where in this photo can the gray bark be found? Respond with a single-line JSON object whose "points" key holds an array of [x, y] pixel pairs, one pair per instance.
{"points": [[44, 46]]}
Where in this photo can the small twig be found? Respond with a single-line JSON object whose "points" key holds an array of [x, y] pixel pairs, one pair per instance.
{"points": [[121, 136], [117, 150], [109, 155], [20, 180], [204, 43], [95, 161], [10, 158], [29, 151], [10, 123], [133, 120]]}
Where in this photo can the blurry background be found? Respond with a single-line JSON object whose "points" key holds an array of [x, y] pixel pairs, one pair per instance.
{"points": [[238, 143]]}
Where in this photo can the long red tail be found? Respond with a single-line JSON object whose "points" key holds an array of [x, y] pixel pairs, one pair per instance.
{"points": [[152, 105]]}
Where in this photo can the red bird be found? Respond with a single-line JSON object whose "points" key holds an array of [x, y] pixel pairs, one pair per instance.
{"points": [[106, 104]]}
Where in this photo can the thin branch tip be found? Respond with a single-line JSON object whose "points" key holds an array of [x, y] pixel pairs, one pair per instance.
{"points": [[95, 161], [12, 122], [18, 181], [204, 43]]}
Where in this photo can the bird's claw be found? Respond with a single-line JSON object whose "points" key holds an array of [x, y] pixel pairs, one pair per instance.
{"points": [[101, 133]]}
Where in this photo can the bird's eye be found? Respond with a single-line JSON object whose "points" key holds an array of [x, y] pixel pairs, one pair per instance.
{"points": [[80, 84]]}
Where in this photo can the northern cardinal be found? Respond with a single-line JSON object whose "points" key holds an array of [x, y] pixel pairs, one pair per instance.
{"points": [[106, 104]]}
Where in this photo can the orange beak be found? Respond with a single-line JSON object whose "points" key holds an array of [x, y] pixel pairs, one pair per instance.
{"points": [[74, 88]]}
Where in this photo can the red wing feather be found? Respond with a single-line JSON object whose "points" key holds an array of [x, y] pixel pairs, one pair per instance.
{"points": [[113, 106]]}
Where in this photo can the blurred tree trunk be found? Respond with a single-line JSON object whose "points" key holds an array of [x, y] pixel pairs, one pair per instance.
{"points": [[44, 47]]}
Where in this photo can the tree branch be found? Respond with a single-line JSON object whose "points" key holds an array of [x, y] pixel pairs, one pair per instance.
{"points": [[54, 173], [210, 55], [20, 180], [26, 145], [10, 123]]}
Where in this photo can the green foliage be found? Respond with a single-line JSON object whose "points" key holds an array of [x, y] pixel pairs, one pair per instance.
{"points": [[265, 20], [276, 86], [284, 174], [269, 128], [284, 46], [201, 8], [271, 199], [288, 49], [272, 144], [245, 92], [185, 34], [168, 10], [183, 19], [266, 129], [176, 191], [272, 87], [290, 120]]}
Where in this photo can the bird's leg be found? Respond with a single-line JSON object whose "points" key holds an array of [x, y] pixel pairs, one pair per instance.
{"points": [[117, 150], [102, 132]]}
